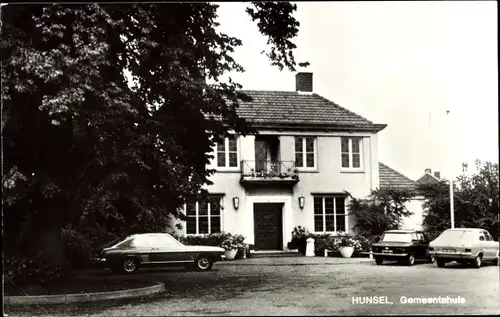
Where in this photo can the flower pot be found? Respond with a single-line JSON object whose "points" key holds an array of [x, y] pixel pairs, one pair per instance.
{"points": [[346, 252], [230, 254]]}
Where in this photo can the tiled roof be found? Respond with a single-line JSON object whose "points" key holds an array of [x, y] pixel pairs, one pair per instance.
{"points": [[390, 178], [428, 179], [293, 109]]}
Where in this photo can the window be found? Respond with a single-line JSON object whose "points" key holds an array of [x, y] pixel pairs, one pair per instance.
{"points": [[141, 241], [420, 236], [487, 236], [397, 237], [329, 214], [204, 217], [227, 152], [305, 152], [162, 240], [351, 152]]}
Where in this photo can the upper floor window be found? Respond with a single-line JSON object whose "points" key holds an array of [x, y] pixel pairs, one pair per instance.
{"points": [[351, 152], [227, 152], [204, 217], [329, 214], [305, 152]]}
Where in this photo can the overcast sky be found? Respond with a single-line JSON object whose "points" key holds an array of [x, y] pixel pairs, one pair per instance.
{"points": [[399, 63]]}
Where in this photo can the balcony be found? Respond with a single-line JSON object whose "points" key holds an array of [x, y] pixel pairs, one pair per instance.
{"points": [[269, 172]]}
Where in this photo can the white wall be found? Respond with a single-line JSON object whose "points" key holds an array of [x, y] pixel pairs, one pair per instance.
{"points": [[414, 221]]}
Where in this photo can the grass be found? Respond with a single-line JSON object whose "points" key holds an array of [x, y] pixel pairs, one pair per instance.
{"points": [[74, 285]]}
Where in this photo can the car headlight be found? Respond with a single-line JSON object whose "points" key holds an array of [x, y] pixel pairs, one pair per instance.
{"points": [[431, 249]]}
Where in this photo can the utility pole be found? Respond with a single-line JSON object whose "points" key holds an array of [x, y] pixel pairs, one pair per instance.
{"points": [[452, 207]]}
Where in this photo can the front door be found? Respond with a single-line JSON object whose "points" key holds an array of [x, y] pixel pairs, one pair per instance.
{"points": [[268, 226]]}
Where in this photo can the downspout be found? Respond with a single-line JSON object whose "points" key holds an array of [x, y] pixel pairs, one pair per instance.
{"points": [[371, 166]]}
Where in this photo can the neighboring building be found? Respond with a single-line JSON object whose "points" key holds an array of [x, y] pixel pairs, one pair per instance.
{"points": [[296, 171], [390, 178], [428, 178]]}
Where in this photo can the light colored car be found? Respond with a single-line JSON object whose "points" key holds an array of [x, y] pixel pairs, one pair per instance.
{"points": [[157, 249], [464, 245]]}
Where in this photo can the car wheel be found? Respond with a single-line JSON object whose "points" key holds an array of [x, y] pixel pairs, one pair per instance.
{"points": [[476, 263], [130, 265], [379, 260], [440, 263], [497, 259], [203, 263], [410, 260]]}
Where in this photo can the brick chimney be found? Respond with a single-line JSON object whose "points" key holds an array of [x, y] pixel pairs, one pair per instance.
{"points": [[428, 170], [304, 82], [437, 175]]}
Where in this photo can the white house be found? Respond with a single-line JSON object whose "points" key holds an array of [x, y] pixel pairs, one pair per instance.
{"points": [[295, 171]]}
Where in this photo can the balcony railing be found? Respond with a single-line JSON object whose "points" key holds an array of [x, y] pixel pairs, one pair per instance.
{"points": [[269, 171]]}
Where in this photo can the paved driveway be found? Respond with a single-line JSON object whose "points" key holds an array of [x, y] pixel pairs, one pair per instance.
{"points": [[302, 286]]}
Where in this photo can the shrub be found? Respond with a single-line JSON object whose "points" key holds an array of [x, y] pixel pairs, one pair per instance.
{"points": [[82, 245], [364, 244], [322, 242], [23, 271], [77, 248], [224, 240]]}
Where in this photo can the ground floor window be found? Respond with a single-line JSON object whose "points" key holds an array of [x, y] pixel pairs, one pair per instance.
{"points": [[204, 217], [330, 214]]}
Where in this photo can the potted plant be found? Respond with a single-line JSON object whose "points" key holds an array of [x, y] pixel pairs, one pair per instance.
{"points": [[231, 244], [346, 245], [299, 237]]}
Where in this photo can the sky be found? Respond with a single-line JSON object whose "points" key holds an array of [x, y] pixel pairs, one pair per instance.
{"points": [[429, 70]]}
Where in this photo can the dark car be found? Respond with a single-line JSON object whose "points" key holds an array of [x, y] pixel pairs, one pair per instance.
{"points": [[404, 246], [157, 249]]}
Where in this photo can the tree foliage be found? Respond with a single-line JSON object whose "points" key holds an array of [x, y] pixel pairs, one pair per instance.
{"points": [[383, 210], [81, 145], [476, 200]]}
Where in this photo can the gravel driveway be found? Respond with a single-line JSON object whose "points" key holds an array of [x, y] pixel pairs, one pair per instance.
{"points": [[301, 286]]}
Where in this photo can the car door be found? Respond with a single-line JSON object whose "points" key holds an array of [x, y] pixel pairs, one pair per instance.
{"points": [[166, 249], [490, 245], [415, 245], [484, 246], [423, 246]]}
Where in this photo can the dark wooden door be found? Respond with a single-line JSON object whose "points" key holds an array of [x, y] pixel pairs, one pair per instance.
{"points": [[268, 226]]}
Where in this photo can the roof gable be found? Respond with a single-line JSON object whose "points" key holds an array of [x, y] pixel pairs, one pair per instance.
{"points": [[391, 179], [292, 109], [428, 179]]}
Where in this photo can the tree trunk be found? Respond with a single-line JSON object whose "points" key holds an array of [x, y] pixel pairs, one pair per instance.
{"points": [[50, 245]]}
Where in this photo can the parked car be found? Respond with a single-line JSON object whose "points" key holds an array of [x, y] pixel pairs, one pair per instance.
{"points": [[404, 246], [465, 245], [157, 249]]}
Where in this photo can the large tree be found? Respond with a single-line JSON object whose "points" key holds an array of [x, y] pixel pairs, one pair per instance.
{"points": [[476, 200], [82, 144], [384, 210]]}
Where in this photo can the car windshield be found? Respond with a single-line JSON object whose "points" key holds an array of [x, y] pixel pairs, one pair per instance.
{"points": [[455, 235], [396, 237]]}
